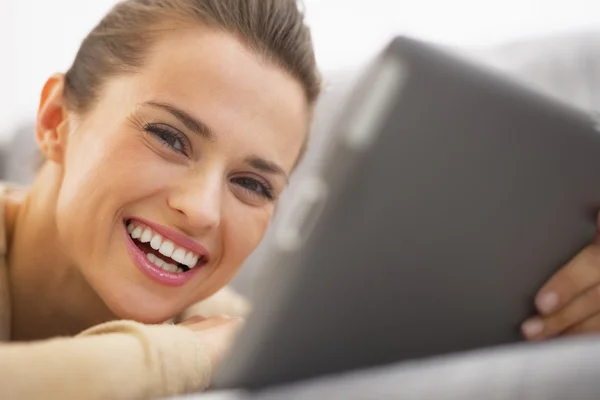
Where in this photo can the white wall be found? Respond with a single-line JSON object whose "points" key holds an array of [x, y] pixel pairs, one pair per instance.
{"points": [[349, 30], [42, 38], [6, 64], [39, 37]]}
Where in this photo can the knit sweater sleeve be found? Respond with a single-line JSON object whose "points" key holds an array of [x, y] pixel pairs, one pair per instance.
{"points": [[115, 360]]}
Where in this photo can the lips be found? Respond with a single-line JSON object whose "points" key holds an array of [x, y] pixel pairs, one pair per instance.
{"points": [[164, 255]]}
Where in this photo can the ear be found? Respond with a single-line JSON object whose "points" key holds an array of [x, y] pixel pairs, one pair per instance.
{"points": [[52, 120]]}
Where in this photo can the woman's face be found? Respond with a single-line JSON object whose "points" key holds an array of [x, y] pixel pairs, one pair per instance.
{"points": [[190, 154]]}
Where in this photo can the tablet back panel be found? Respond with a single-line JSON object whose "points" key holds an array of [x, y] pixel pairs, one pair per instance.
{"points": [[450, 195]]}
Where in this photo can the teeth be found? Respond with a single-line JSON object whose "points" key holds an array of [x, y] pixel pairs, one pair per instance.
{"points": [[170, 267], [166, 249], [189, 260], [156, 242], [146, 236], [161, 264], [137, 232], [178, 255]]}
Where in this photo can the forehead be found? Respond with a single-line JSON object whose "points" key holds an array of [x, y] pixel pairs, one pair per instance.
{"points": [[246, 101]]}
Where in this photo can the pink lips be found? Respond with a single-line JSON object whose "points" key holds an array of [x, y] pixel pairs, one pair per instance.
{"points": [[158, 274], [176, 237]]}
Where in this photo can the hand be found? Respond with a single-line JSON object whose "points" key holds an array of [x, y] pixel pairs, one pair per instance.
{"points": [[569, 303], [218, 333]]}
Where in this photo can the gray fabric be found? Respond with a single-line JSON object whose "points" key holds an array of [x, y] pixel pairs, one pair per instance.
{"points": [[20, 156], [561, 370], [566, 67]]}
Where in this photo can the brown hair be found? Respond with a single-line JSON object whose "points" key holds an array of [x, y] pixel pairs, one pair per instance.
{"points": [[273, 29]]}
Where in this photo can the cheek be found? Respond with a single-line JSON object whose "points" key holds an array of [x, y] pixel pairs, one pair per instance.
{"points": [[83, 182], [102, 164], [103, 174], [243, 229]]}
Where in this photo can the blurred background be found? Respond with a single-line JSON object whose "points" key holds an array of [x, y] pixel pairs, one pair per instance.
{"points": [[553, 45]]}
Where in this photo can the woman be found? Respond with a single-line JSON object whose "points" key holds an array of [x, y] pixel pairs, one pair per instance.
{"points": [[167, 145]]}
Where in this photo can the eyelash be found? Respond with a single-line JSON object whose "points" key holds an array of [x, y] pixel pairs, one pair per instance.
{"points": [[158, 131], [267, 190]]}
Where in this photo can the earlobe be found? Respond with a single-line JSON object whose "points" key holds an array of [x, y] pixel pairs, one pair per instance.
{"points": [[52, 120]]}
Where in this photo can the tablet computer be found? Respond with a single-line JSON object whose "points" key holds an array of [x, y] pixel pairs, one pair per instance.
{"points": [[449, 195]]}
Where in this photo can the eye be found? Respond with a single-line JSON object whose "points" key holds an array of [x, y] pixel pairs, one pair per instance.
{"points": [[169, 137], [254, 187]]}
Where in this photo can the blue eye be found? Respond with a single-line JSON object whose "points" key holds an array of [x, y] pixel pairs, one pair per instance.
{"points": [[254, 187], [171, 138]]}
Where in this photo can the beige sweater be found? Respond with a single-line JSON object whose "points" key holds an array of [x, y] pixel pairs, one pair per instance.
{"points": [[115, 360]]}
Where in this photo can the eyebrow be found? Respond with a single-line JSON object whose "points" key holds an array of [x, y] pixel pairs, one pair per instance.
{"points": [[190, 122], [266, 166], [204, 130]]}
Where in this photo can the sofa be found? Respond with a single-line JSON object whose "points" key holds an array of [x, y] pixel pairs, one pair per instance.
{"points": [[561, 370]]}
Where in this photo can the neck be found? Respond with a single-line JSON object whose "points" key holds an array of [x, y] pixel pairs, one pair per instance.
{"points": [[49, 295]]}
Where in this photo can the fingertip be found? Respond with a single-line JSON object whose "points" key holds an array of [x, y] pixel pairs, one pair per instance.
{"points": [[547, 302], [233, 319], [532, 328], [192, 320]]}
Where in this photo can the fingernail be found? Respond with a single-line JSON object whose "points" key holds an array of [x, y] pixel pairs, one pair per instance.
{"points": [[547, 302], [231, 317], [533, 327]]}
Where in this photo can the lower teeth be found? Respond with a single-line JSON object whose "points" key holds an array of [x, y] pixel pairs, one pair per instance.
{"points": [[162, 265]]}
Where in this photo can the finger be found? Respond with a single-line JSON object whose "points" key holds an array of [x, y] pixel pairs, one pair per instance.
{"points": [[577, 311], [579, 275], [212, 322], [589, 326], [219, 339], [193, 320]]}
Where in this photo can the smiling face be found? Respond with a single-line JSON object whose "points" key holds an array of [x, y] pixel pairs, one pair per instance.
{"points": [[193, 151]]}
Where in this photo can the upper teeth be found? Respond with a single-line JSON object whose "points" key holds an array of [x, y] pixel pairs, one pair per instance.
{"points": [[164, 246]]}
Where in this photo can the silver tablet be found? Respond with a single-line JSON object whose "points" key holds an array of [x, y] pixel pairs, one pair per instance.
{"points": [[449, 196]]}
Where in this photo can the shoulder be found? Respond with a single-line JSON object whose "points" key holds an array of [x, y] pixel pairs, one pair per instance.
{"points": [[12, 196]]}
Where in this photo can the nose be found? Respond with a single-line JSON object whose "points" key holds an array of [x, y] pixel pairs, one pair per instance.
{"points": [[198, 200]]}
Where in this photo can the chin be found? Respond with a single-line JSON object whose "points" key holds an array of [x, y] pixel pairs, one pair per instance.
{"points": [[144, 316], [139, 304]]}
